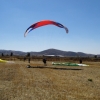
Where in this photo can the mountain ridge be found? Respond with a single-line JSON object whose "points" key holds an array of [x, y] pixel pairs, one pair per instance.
{"points": [[55, 52]]}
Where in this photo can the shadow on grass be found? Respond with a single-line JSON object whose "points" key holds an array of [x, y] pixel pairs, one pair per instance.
{"points": [[41, 67]]}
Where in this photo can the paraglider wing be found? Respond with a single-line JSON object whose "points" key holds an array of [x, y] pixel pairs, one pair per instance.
{"points": [[2, 61], [42, 23]]}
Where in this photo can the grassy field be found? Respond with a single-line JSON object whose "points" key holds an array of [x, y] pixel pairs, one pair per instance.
{"points": [[49, 82]]}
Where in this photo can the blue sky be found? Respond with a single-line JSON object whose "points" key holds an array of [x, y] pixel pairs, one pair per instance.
{"points": [[81, 17]]}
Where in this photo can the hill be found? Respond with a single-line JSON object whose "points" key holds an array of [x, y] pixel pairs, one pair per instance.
{"points": [[49, 52]]}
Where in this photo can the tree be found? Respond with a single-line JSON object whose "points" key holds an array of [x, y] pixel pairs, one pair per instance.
{"points": [[2, 54], [28, 54], [11, 54], [95, 56]]}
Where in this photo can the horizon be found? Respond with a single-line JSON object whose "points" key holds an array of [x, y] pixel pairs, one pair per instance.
{"points": [[49, 49]]}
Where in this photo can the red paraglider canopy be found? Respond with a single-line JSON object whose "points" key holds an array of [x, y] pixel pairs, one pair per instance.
{"points": [[42, 23]]}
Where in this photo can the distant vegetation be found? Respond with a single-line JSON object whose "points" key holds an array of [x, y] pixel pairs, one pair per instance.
{"points": [[49, 58]]}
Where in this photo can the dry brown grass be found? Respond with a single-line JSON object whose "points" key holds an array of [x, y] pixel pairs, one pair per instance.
{"points": [[49, 83]]}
